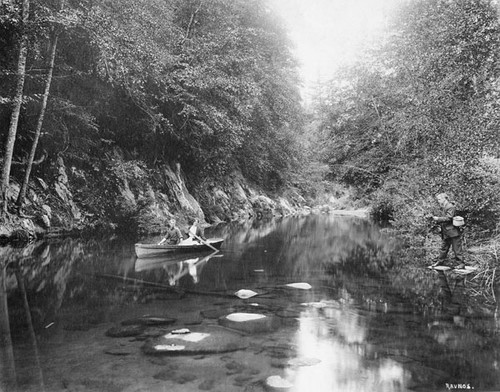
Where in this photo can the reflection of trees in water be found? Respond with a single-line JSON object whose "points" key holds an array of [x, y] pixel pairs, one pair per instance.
{"points": [[471, 347], [57, 272], [246, 232], [413, 310], [427, 288], [305, 245], [44, 270], [7, 365], [13, 259], [444, 343], [59, 283]]}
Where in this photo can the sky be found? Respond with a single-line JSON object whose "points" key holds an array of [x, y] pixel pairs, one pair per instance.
{"points": [[329, 33]]}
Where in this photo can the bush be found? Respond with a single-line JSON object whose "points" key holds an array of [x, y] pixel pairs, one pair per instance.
{"points": [[383, 210]]}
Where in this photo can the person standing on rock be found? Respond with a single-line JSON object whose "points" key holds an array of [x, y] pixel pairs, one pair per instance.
{"points": [[451, 235], [173, 235]]}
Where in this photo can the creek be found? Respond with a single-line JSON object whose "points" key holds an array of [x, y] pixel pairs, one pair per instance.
{"points": [[330, 308]]}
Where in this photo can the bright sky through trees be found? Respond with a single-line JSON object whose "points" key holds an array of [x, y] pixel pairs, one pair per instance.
{"points": [[328, 33]]}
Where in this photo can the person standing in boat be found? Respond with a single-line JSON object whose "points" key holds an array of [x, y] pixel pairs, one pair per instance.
{"points": [[451, 235], [195, 230], [173, 235], [194, 234]]}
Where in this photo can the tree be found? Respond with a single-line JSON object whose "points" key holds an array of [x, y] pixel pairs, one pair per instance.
{"points": [[210, 84], [18, 99], [210, 77], [423, 102], [52, 56]]}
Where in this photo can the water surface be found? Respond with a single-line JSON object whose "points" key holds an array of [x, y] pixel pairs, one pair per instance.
{"points": [[368, 323]]}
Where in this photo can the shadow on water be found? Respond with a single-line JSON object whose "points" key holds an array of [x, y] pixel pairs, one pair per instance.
{"points": [[74, 315]]}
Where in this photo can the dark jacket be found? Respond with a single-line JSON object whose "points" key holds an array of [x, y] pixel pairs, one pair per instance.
{"points": [[446, 221], [173, 236]]}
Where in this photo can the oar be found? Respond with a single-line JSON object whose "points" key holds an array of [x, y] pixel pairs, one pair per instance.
{"points": [[161, 286], [204, 242], [213, 254]]}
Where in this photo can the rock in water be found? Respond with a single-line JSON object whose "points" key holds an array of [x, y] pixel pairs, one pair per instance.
{"points": [[244, 293], [277, 383], [250, 322], [297, 362], [301, 286], [122, 351], [125, 331], [149, 320], [208, 340], [242, 317], [439, 268], [181, 331]]}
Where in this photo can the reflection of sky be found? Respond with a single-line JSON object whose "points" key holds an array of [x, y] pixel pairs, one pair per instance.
{"points": [[336, 336]]}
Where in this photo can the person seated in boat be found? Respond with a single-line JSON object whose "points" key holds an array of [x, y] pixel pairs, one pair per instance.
{"points": [[194, 233], [173, 236]]}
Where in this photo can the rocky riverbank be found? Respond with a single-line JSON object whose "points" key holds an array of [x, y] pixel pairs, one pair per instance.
{"points": [[127, 196]]}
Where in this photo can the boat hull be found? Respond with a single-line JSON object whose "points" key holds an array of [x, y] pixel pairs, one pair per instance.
{"points": [[153, 250]]}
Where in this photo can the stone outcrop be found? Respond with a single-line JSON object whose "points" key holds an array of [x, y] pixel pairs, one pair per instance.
{"points": [[137, 198], [233, 198]]}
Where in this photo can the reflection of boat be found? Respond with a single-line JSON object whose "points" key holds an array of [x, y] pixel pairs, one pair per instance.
{"points": [[156, 262], [176, 266], [151, 250]]}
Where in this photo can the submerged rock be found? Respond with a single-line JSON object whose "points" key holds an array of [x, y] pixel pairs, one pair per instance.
{"points": [[207, 385], [215, 313], [125, 331], [171, 374], [119, 351], [209, 340], [280, 350], [149, 320], [277, 383], [152, 332], [299, 362], [191, 319], [288, 313]]}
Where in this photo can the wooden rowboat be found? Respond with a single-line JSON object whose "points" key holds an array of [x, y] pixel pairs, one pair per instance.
{"points": [[152, 250]]}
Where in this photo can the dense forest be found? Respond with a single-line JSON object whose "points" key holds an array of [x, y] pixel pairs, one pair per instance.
{"points": [[212, 86], [207, 85], [419, 114]]}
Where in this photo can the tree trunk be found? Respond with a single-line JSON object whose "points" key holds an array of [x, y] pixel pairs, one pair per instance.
{"points": [[192, 20], [31, 158], [18, 100]]}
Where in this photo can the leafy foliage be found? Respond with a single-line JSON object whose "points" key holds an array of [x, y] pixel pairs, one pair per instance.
{"points": [[419, 114], [210, 84]]}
